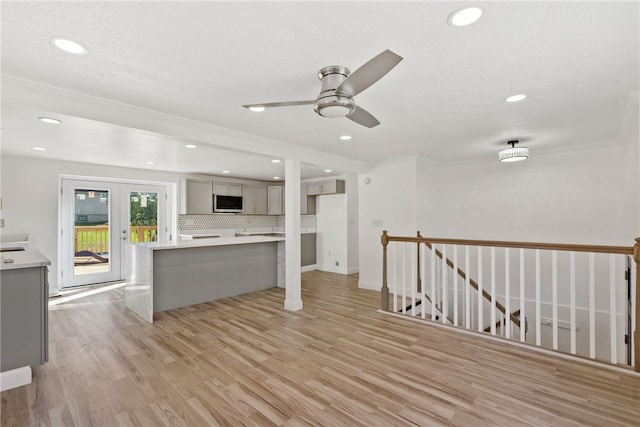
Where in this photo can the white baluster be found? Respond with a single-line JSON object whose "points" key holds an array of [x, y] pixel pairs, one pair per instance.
{"points": [[572, 296], [592, 306], [455, 285], [433, 282], [480, 328], [538, 320], [493, 291], [612, 308], [394, 247], [467, 286], [507, 293], [445, 293], [523, 321], [414, 278], [554, 297], [404, 279]]}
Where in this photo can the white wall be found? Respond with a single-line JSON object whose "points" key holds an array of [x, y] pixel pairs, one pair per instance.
{"points": [[387, 202], [559, 196], [630, 139], [30, 190]]}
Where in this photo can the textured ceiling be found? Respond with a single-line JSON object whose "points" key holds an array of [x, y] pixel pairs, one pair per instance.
{"points": [[158, 66]]}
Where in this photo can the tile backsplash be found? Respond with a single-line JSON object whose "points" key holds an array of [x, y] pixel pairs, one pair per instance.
{"points": [[221, 221]]}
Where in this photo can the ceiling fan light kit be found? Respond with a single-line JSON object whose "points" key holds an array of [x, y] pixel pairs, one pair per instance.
{"points": [[329, 103], [339, 86], [513, 154]]}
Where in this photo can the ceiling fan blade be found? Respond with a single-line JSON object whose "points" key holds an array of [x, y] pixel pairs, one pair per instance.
{"points": [[363, 117], [280, 104], [369, 73]]}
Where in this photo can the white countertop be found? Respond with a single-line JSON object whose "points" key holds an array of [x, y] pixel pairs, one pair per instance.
{"points": [[22, 259], [199, 243]]}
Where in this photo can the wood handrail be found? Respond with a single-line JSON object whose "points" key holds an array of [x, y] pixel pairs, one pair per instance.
{"points": [[625, 250]]}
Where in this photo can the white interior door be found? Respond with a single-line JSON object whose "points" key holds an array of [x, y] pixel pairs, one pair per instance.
{"points": [[91, 249]]}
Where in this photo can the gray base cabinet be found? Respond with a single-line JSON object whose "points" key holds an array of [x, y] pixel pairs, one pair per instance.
{"points": [[307, 249], [24, 296]]}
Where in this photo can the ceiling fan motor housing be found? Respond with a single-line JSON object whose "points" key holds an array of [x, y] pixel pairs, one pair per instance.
{"points": [[329, 103]]}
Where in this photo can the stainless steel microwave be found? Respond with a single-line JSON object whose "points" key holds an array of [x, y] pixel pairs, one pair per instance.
{"points": [[227, 203]]}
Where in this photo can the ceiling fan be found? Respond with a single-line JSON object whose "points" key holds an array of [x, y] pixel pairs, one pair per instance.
{"points": [[340, 85]]}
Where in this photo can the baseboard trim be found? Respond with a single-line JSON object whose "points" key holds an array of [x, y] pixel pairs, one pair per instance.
{"points": [[502, 340], [353, 270], [15, 378], [307, 268], [368, 285]]}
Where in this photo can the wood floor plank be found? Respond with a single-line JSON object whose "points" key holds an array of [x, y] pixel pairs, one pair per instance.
{"points": [[246, 361]]}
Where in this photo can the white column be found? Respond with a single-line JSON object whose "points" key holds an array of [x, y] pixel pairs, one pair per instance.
{"points": [[293, 299]]}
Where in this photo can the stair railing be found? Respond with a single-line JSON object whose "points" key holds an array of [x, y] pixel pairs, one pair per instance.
{"points": [[564, 292]]}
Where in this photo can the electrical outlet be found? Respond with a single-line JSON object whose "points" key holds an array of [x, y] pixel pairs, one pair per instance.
{"points": [[337, 263], [1, 223]]}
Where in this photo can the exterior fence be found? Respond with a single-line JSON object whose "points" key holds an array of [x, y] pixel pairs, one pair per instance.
{"points": [[96, 238]]}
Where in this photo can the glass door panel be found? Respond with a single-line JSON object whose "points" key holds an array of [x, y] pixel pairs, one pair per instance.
{"points": [[91, 231], [90, 224], [143, 216]]}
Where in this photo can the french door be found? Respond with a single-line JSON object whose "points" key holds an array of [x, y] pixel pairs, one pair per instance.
{"points": [[99, 219]]}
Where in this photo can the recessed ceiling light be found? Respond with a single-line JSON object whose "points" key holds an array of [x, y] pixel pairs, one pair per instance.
{"points": [[275, 161], [50, 120], [328, 170], [516, 98], [190, 146], [39, 148], [345, 137], [465, 16], [149, 163], [225, 171], [69, 46], [276, 177], [257, 108]]}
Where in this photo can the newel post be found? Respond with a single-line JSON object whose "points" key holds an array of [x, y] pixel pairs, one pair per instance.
{"points": [[636, 333], [384, 292], [419, 284]]}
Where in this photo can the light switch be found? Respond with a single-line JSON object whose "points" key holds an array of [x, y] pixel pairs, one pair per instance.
{"points": [[376, 223]]}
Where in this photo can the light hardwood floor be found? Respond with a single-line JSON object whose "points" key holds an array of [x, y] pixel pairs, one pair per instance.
{"points": [[246, 361]]}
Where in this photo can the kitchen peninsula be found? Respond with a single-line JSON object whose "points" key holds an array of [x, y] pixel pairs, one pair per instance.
{"points": [[166, 275]]}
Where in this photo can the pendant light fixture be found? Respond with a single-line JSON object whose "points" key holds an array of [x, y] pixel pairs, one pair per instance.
{"points": [[513, 154]]}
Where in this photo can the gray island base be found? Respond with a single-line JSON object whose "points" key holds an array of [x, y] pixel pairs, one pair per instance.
{"points": [[163, 276]]}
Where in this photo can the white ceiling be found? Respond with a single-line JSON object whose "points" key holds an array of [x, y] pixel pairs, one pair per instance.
{"points": [[162, 74]]}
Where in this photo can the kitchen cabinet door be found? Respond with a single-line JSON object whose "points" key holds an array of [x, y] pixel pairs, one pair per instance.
{"points": [[197, 197], [330, 186], [255, 199], [261, 200], [274, 200], [24, 317], [307, 203], [227, 188]]}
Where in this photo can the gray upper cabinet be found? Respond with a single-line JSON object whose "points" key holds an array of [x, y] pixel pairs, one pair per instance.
{"points": [[307, 203], [329, 186], [274, 200], [196, 197], [227, 188], [254, 199]]}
